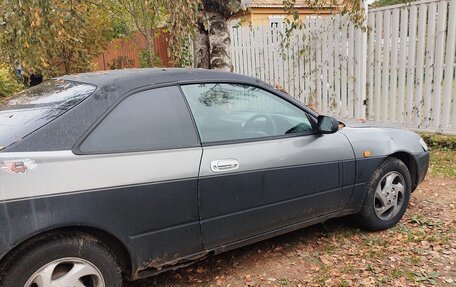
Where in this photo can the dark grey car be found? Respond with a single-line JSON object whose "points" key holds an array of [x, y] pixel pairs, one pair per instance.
{"points": [[125, 174]]}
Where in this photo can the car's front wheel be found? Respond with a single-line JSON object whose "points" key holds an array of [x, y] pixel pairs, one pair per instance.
{"points": [[62, 259], [388, 195]]}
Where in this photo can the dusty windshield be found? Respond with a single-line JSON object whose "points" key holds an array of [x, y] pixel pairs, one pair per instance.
{"points": [[37, 106]]}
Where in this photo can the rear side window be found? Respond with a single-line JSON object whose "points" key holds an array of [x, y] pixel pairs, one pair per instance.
{"points": [[149, 120], [33, 108]]}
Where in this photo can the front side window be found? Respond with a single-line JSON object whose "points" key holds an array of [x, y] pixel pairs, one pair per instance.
{"points": [[226, 112], [149, 120]]}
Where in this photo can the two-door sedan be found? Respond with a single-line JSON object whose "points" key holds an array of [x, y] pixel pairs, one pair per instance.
{"points": [[124, 174]]}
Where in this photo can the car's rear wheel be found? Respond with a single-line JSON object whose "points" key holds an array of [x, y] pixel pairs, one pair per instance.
{"points": [[62, 259], [388, 195]]}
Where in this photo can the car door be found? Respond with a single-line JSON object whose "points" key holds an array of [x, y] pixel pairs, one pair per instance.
{"points": [[144, 156], [264, 167]]}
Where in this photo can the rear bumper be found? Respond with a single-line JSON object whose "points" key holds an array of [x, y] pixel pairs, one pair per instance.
{"points": [[422, 164]]}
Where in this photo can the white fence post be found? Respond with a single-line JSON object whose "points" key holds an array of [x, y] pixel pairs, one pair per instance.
{"points": [[411, 43], [449, 71]]}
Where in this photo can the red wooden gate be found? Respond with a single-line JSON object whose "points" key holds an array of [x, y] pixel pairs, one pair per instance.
{"points": [[125, 53]]}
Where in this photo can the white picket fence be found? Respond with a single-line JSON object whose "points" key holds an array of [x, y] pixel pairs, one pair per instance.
{"points": [[400, 73], [319, 66]]}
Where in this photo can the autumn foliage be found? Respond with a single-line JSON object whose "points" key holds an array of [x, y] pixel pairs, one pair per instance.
{"points": [[53, 37]]}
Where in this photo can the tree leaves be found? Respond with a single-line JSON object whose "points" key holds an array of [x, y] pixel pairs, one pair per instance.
{"points": [[8, 82], [54, 37]]}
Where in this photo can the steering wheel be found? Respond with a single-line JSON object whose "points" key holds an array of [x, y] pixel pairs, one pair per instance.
{"points": [[270, 125]]}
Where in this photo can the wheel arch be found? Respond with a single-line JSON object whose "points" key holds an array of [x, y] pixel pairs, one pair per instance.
{"points": [[409, 160], [118, 248]]}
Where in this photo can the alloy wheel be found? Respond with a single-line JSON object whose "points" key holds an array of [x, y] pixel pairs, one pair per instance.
{"points": [[74, 272], [389, 195]]}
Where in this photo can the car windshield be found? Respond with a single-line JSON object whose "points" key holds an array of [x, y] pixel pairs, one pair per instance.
{"points": [[33, 108]]}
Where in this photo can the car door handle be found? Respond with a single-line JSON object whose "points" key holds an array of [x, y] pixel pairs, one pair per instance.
{"points": [[224, 165]]}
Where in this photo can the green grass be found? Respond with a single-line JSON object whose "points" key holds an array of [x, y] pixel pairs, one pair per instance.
{"points": [[443, 154], [443, 163], [283, 281], [439, 142]]}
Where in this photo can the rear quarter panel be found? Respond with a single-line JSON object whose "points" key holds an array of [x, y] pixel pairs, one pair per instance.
{"points": [[143, 199]]}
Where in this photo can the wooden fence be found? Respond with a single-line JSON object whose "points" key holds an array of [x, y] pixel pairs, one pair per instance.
{"points": [[125, 52], [412, 62], [399, 73], [318, 65]]}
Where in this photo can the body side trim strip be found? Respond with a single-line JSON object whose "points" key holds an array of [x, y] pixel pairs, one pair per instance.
{"points": [[268, 169], [98, 189]]}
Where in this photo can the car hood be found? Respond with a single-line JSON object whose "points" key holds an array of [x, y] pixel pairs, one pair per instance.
{"points": [[362, 124]]}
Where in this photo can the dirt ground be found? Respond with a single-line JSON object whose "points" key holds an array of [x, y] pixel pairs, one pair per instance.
{"points": [[419, 251]]}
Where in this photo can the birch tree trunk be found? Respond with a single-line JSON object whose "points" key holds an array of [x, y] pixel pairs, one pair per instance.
{"points": [[213, 44], [201, 47], [219, 43]]}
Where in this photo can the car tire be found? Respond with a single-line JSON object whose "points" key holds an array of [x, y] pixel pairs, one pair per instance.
{"points": [[383, 206], [64, 256]]}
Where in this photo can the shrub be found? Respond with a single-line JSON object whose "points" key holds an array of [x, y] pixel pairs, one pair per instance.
{"points": [[121, 62], [443, 142], [9, 83], [143, 60]]}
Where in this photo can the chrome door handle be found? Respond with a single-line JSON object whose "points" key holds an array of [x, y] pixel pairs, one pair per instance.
{"points": [[224, 165]]}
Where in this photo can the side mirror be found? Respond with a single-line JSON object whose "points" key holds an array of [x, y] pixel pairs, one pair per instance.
{"points": [[327, 124]]}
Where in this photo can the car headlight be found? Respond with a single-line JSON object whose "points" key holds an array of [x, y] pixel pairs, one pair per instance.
{"points": [[423, 144]]}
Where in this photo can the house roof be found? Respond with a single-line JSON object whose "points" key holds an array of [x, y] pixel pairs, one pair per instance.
{"points": [[277, 3]]}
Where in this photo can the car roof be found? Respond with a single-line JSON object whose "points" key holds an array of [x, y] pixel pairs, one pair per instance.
{"points": [[132, 78]]}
